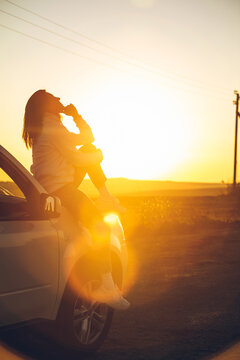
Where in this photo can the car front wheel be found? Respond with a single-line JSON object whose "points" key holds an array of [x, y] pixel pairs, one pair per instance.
{"points": [[84, 323]]}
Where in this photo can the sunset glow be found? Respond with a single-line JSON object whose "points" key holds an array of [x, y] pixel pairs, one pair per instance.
{"points": [[157, 95], [143, 130], [119, 179]]}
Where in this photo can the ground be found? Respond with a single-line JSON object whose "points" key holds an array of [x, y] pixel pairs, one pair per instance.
{"points": [[184, 282]]}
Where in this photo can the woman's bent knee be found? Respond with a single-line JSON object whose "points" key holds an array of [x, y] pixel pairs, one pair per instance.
{"points": [[88, 148]]}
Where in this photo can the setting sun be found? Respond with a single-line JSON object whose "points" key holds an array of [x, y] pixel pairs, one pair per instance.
{"points": [[140, 133]]}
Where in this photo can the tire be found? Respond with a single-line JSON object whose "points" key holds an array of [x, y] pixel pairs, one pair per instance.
{"points": [[84, 324]]}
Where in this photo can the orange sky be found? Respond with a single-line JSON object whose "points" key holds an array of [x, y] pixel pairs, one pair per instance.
{"points": [[154, 79]]}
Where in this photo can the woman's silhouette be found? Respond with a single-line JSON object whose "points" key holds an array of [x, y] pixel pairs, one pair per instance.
{"points": [[60, 168]]}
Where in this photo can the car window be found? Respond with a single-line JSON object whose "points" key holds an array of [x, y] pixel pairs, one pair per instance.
{"points": [[13, 204], [8, 187]]}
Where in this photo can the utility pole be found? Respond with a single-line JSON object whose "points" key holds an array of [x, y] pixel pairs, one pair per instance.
{"points": [[237, 114]]}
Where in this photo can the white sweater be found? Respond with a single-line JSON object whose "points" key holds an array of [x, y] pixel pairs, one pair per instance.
{"points": [[55, 156]]}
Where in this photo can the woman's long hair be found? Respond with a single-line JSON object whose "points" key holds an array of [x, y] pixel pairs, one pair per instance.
{"points": [[33, 117]]}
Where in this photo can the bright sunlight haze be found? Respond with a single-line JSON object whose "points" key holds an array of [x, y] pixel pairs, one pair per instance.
{"points": [[154, 79]]}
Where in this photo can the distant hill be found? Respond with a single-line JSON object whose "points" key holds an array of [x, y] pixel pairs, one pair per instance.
{"points": [[127, 187], [11, 187], [123, 186]]}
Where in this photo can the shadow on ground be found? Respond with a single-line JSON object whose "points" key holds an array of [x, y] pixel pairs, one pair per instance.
{"points": [[172, 344]]}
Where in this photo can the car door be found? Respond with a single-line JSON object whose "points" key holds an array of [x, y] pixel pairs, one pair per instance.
{"points": [[29, 251]]}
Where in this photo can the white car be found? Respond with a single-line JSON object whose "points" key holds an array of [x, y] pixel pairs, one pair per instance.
{"points": [[43, 256]]}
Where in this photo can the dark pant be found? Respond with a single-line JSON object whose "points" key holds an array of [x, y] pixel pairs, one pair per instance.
{"points": [[84, 210]]}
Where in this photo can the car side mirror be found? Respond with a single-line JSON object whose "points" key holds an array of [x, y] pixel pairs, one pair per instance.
{"points": [[50, 206]]}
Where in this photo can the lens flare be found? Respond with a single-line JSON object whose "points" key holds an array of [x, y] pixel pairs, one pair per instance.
{"points": [[132, 271], [83, 263], [111, 219]]}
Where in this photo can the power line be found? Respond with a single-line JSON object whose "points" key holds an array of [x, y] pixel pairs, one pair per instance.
{"points": [[80, 55], [144, 67], [66, 28], [60, 48], [65, 37]]}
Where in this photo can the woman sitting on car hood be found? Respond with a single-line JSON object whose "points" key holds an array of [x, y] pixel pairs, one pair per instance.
{"points": [[60, 168]]}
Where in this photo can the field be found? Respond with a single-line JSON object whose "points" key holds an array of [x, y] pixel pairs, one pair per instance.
{"points": [[184, 277]]}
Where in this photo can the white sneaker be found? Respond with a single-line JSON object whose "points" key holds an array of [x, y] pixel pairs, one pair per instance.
{"points": [[108, 293], [113, 298]]}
